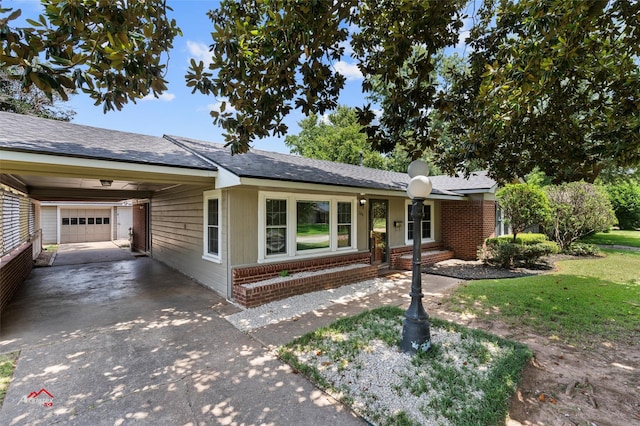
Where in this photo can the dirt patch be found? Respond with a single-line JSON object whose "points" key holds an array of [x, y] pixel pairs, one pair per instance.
{"points": [[563, 385], [45, 258]]}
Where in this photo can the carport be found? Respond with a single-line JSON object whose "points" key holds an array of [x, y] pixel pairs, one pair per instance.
{"points": [[46, 160]]}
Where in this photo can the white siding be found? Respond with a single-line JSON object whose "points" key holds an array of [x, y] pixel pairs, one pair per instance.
{"points": [[177, 235], [49, 224]]}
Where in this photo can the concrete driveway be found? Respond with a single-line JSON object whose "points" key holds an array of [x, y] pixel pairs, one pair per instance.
{"points": [[133, 341]]}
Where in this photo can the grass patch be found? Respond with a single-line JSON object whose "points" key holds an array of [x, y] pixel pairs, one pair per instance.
{"points": [[467, 378], [583, 303], [7, 365], [623, 238]]}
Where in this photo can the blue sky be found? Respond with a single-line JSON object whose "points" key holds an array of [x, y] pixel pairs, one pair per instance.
{"points": [[178, 112]]}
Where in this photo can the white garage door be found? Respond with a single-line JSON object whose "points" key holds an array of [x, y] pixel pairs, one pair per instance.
{"points": [[85, 225]]}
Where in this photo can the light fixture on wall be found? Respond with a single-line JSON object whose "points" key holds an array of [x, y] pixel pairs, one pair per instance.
{"points": [[105, 182], [363, 201]]}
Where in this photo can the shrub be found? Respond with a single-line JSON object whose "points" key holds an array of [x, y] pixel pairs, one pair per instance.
{"points": [[582, 249], [625, 200], [524, 205], [528, 238], [578, 209], [526, 251]]}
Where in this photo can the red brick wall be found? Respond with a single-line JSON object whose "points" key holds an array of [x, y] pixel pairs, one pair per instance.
{"points": [[255, 273], [260, 295], [14, 269], [465, 226], [251, 297]]}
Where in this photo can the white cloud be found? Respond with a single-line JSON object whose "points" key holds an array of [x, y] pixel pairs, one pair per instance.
{"points": [[199, 52], [166, 97], [350, 71], [218, 105]]}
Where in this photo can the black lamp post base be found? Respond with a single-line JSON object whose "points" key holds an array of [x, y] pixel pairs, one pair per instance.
{"points": [[416, 336]]}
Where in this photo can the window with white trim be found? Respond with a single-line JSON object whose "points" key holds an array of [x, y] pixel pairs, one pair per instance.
{"points": [[276, 236], [212, 224], [502, 225], [427, 223], [301, 225], [345, 224]]}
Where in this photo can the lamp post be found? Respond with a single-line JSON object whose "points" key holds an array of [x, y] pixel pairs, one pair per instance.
{"points": [[416, 334]]}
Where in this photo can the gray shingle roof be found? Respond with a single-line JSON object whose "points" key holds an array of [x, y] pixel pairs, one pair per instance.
{"points": [[477, 182], [39, 135], [285, 167]]}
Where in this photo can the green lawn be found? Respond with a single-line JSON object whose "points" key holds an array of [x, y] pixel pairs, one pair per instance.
{"points": [[466, 378], [584, 302], [7, 365], [623, 238]]}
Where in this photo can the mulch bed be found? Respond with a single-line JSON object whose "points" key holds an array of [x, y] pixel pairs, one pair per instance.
{"points": [[476, 270]]}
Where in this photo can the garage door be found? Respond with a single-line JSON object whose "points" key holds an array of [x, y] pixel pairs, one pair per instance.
{"points": [[85, 225]]}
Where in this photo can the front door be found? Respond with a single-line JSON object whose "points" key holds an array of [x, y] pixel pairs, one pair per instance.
{"points": [[378, 226]]}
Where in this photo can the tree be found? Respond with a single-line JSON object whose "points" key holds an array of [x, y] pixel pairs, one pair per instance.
{"points": [[112, 50], [553, 84], [340, 139], [524, 205], [34, 102], [271, 57], [578, 209], [625, 200]]}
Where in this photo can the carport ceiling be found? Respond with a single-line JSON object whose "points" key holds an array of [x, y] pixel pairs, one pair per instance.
{"points": [[45, 181], [57, 188]]}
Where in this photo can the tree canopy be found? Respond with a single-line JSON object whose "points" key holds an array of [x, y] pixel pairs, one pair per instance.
{"points": [[33, 102], [338, 137], [112, 50], [549, 83]]}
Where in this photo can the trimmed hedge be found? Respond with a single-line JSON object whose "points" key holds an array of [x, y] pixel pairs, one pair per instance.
{"points": [[528, 248]]}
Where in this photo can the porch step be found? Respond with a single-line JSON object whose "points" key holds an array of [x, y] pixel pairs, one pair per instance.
{"points": [[429, 257]]}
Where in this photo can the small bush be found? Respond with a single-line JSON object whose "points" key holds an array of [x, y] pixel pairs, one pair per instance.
{"points": [[582, 249], [527, 239], [502, 252]]}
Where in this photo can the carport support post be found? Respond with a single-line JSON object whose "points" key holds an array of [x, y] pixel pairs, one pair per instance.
{"points": [[416, 334]]}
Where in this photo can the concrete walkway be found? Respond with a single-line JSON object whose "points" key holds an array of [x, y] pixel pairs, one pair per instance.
{"points": [[134, 341]]}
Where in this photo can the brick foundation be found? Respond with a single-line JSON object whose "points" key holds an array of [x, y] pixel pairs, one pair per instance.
{"points": [[465, 226], [14, 269], [254, 295]]}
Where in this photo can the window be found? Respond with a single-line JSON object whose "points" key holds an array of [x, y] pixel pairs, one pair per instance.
{"points": [[105, 221], [65, 221], [83, 221], [90, 220], [344, 224], [305, 225], [312, 225], [74, 220], [502, 225], [98, 221], [212, 225], [427, 222], [276, 237]]}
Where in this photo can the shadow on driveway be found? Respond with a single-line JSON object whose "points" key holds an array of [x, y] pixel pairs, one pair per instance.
{"points": [[135, 341]]}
